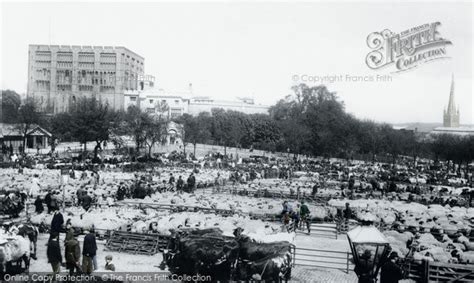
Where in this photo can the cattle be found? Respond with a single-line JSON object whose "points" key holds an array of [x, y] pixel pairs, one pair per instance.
{"points": [[264, 261], [208, 252], [204, 252]]}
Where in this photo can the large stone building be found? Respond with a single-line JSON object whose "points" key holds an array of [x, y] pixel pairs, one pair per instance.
{"points": [[58, 75]]}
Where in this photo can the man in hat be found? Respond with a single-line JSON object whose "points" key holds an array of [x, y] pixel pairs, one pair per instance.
{"points": [[305, 216], [86, 201], [39, 205], [54, 253], [47, 200], [180, 184], [191, 182], [72, 253], [391, 272], [57, 222], [89, 251]]}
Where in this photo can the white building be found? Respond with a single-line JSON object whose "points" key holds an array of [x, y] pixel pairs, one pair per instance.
{"points": [[206, 104], [152, 99], [461, 131]]}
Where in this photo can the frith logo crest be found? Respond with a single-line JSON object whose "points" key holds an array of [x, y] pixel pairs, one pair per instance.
{"points": [[406, 50]]}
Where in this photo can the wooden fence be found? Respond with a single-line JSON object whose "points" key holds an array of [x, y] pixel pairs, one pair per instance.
{"points": [[429, 271], [324, 259]]}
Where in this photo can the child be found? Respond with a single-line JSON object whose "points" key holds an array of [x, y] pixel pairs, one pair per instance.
{"points": [[108, 263]]}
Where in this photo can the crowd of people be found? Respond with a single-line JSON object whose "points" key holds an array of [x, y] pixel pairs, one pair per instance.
{"points": [[342, 179]]}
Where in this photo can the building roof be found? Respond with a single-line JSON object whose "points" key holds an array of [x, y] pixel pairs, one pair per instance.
{"points": [[13, 130], [454, 130]]}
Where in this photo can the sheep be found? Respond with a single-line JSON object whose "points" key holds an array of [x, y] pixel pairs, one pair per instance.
{"points": [[464, 240]]}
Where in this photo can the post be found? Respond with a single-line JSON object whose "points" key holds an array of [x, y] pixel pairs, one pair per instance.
{"points": [[347, 262], [64, 198], [426, 271]]}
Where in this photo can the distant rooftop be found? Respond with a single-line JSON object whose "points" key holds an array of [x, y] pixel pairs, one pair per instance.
{"points": [[454, 130]]}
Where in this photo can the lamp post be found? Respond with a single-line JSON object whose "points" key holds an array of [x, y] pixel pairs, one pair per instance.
{"points": [[369, 249]]}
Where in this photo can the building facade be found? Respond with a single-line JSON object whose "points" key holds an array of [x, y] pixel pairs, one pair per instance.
{"points": [[206, 104], [154, 100], [59, 75], [451, 114], [36, 137]]}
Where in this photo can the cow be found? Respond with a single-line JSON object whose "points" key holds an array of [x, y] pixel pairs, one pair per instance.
{"points": [[264, 261], [204, 252], [208, 252]]}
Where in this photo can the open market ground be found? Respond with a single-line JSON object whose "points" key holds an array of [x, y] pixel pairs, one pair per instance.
{"points": [[125, 262]]}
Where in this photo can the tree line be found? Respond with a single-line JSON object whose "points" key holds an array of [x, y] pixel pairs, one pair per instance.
{"points": [[310, 121]]}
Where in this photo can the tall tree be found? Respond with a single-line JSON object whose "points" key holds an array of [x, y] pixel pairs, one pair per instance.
{"points": [[28, 116], [154, 131], [91, 121], [136, 123], [10, 102]]}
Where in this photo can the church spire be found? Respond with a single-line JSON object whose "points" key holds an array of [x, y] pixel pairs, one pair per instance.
{"points": [[451, 114], [451, 106]]}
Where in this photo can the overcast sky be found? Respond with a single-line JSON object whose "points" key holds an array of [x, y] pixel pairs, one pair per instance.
{"points": [[229, 50]]}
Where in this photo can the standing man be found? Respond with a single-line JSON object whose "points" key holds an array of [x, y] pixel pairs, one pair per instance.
{"points": [[191, 182], [391, 272], [218, 182], [86, 201], [72, 254], [39, 205], [315, 190], [305, 217], [171, 180], [54, 253], [179, 184], [89, 251], [47, 200], [57, 222]]}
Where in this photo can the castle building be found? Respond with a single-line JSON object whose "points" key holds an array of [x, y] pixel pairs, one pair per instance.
{"points": [[451, 114], [58, 75]]}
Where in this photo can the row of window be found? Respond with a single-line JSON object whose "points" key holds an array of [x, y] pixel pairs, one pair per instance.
{"points": [[164, 101], [173, 114]]}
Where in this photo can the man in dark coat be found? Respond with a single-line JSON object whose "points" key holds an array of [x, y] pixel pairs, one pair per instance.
{"points": [[89, 250], [179, 184], [86, 201], [72, 254], [47, 200], [347, 212], [391, 272], [39, 205], [121, 193], [80, 195], [305, 216], [57, 222], [171, 180], [54, 253], [315, 189], [191, 182]]}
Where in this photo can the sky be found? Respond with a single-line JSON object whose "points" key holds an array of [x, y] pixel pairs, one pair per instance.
{"points": [[259, 49]]}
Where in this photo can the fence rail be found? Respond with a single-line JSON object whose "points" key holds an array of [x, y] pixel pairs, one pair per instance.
{"points": [[324, 259]]}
